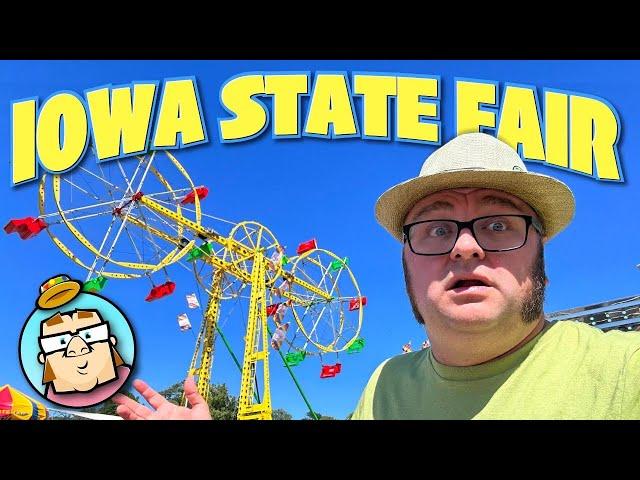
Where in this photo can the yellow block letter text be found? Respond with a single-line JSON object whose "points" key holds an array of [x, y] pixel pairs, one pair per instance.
{"points": [[121, 119], [179, 113]]}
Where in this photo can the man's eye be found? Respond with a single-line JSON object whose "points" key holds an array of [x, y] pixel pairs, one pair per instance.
{"points": [[63, 341], [87, 335], [497, 227], [439, 231]]}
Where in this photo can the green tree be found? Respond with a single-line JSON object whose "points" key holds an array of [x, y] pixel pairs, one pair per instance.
{"points": [[320, 416], [280, 414]]}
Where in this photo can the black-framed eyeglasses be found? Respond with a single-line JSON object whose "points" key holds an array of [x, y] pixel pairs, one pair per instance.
{"points": [[98, 332], [494, 233]]}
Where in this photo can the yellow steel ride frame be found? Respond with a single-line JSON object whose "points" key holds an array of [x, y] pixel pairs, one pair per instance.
{"points": [[255, 336], [210, 320], [256, 348]]}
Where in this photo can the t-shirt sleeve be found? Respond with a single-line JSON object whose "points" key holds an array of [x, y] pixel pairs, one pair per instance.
{"points": [[364, 409], [631, 395]]}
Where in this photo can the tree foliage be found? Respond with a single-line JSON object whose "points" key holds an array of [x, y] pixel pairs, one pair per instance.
{"points": [[280, 414], [320, 416]]}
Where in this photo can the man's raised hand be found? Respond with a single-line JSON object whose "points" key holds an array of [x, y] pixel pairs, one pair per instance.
{"points": [[129, 409]]}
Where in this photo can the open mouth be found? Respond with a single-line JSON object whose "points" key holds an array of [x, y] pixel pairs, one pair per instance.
{"points": [[467, 284], [470, 284]]}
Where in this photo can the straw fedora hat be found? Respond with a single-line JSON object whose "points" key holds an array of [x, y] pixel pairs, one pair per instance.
{"points": [[481, 161], [57, 291]]}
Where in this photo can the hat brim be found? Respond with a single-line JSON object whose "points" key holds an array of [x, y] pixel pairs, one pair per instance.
{"points": [[552, 200], [59, 294]]}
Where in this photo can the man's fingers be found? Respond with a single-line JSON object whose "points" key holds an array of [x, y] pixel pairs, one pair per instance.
{"points": [[154, 398], [131, 405], [191, 392], [125, 412]]}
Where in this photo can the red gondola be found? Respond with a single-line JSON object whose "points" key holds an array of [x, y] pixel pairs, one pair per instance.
{"points": [[330, 371], [161, 291], [191, 198], [26, 227]]}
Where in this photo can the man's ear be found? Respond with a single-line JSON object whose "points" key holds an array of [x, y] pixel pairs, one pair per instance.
{"points": [[41, 358], [113, 340]]}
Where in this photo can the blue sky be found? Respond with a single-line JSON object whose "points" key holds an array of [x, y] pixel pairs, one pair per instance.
{"points": [[310, 187]]}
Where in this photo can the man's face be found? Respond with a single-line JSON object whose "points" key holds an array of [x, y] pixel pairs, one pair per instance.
{"points": [[468, 289], [77, 348]]}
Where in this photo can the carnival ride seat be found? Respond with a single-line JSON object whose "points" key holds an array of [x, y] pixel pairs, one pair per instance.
{"points": [[198, 252], [191, 198], [25, 227], [330, 371], [356, 346], [306, 246], [160, 291], [94, 285], [295, 358], [356, 303]]}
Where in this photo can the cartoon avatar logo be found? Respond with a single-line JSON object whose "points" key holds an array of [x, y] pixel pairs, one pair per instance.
{"points": [[76, 348]]}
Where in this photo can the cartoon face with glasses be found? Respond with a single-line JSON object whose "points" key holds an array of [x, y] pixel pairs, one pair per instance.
{"points": [[78, 353]]}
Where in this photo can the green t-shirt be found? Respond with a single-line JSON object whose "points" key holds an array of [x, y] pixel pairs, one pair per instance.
{"points": [[570, 370]]}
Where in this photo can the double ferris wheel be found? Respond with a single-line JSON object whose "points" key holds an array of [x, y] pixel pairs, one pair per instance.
{"points": [[142, 217]]}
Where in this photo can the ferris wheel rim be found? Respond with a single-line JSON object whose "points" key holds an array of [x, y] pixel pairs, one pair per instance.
{"points": [[301, 327], [171, 257], [272, 275]]}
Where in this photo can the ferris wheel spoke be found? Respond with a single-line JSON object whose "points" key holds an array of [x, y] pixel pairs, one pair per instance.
{"points": [[84, 179], [166, 202], [247, 235], [104, 240], [92, 195], [324, 272], [144, 225], [77, 209], [120, 229], [146, 171], [134, 245], [309, 279], [162, 220], [310, 333], [102, 179], [83, 217], [193, 211], [129, 190], [135, 173], [335, 283], [140, 210], [333, 326], [160, 249]]}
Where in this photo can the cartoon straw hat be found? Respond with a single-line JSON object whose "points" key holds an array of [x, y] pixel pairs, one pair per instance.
{"points": [[57, 291]]}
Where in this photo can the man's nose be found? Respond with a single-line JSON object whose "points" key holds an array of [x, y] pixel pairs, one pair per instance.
{"points": [[77, 346], [466, 247]]}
